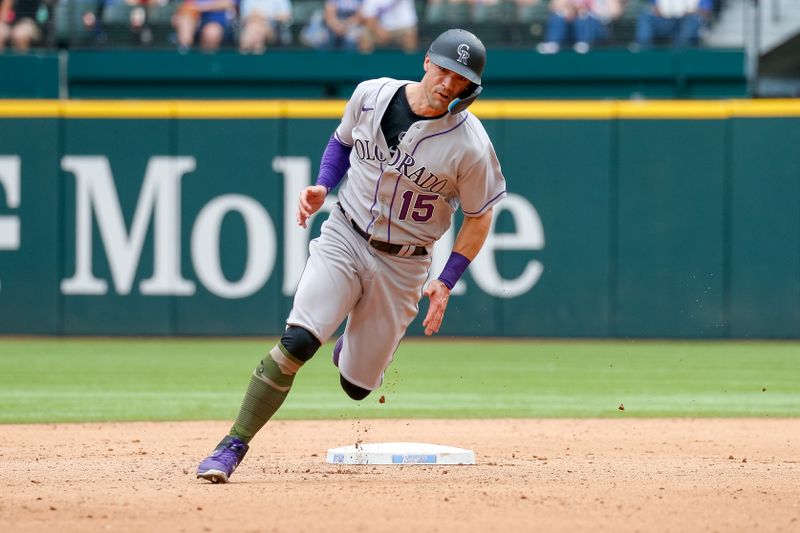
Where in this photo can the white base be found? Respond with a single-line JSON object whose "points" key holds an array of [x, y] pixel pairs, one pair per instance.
{"points": [[393, 453]]}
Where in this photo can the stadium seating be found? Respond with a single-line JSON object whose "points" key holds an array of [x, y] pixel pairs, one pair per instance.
{"points": [[503, 23], [68, 26]]}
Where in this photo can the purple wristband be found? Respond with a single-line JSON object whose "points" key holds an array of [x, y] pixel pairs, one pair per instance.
{"points": [[453, 269], [334, 164]]}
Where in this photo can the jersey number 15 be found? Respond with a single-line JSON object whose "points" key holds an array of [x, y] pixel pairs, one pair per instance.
{"points": [[422, 209]]}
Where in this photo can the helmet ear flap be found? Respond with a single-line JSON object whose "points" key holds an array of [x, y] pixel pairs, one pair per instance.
{"points": [[469, 90], [467, 97]]}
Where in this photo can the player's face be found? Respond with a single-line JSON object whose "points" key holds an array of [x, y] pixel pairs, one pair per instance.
{"points": [[442, 86]]}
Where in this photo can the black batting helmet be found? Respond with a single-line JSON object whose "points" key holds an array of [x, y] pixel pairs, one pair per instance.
{"points": [[463, 53]]}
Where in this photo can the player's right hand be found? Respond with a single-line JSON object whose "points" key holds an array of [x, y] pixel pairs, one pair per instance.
{"points": [[311, 199], [438, 294]]}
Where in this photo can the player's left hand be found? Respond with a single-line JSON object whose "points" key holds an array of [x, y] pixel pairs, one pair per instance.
{"points": [[311, 199], [438, 294]]}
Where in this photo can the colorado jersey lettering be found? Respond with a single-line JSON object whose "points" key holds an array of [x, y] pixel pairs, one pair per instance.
{"points": [[408, 195]]}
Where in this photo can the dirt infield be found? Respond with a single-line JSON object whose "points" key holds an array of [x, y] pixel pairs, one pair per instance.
{"points": [[532, 475]]}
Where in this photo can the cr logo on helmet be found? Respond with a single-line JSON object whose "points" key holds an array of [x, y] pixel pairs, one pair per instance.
{"points": [[463, 53]]}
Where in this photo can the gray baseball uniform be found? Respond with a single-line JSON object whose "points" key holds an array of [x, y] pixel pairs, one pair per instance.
{"points": [[404, 196]]}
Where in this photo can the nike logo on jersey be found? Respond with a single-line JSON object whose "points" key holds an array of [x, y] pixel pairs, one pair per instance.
{"points": [[365, 108], [403, 162]]}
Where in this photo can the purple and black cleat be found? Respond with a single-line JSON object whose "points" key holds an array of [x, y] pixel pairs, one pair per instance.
{"points": [[337, 349], [219, 466]]}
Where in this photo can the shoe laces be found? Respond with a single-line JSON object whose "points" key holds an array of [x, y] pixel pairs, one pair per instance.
{"points": [[231, 452]]}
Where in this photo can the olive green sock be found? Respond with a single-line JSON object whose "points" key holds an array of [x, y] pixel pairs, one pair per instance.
{"points": [[268, 388]]}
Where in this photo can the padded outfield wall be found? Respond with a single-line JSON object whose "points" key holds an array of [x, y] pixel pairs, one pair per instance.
{"points": [[624, 219], [314, 74]]}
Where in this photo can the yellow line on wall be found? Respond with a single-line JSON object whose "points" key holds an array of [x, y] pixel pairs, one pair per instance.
{"points": [[131, 109], [666, 110], [315, 109], [765, 108], [541, 109], [29, 108], [332, 109]]}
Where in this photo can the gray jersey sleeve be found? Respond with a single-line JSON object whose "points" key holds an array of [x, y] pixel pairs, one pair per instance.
{"points": [[357, 105], [344, 132], [481, 184]]}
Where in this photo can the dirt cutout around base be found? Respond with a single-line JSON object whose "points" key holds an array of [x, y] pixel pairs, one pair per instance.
{"points": [[532, 475]]}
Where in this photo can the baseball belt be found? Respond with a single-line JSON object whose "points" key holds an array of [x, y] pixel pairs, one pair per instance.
{"points": [[402, 250]]}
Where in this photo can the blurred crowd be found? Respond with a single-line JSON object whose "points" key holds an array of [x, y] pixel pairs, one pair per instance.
{"points": [[253, 26]]}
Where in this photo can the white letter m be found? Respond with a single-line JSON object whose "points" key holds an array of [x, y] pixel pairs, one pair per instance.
{"points": [[159, 200]]}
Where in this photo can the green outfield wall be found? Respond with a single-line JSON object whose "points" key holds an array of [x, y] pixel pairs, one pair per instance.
{"points": [[676, 219], [313, 74]]}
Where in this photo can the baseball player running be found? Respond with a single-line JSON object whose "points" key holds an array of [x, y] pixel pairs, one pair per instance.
{"points": [[408, 153]]}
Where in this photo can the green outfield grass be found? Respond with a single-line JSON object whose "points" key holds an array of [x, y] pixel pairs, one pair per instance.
{"points": [[74, 380]]}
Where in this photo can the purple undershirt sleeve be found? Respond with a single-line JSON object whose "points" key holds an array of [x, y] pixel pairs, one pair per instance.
{"points": [[334, 164]]}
